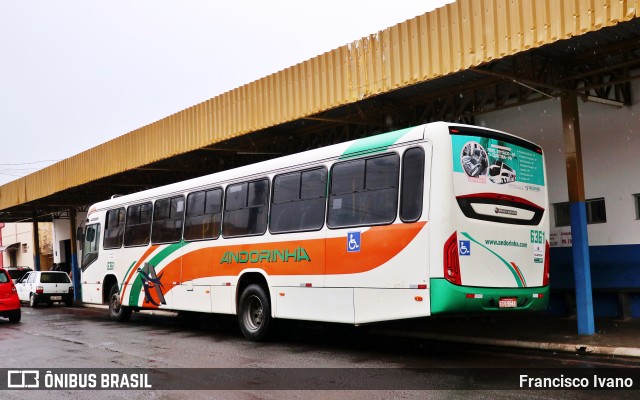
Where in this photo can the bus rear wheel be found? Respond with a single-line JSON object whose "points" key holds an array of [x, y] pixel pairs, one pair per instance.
{"points": [[117, 312], [254, 313]]}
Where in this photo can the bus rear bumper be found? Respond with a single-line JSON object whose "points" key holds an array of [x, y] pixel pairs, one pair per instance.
{"points": [[449, 298]]}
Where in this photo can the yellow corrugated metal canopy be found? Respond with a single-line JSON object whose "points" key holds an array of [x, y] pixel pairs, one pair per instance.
{"points": [[458, 36]]}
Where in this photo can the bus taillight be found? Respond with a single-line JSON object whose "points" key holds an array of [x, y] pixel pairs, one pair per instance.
{"points": [[545, 277], [451, 260]]}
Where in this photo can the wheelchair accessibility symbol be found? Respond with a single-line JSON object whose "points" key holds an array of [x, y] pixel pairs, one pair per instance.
{"points": [[465, 247], [353, 242]]}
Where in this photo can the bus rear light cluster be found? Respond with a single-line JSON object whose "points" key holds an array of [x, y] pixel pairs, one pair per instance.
{"points": [[451, 260], [474, 296], [545, 276]]}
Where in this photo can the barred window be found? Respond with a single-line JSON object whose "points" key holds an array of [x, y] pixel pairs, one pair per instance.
{"points": [[596, 212]]}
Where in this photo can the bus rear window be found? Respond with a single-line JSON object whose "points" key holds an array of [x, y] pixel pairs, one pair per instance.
{"points": [[497, 177]]}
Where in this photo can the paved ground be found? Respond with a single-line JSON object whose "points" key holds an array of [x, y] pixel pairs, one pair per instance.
{"points": [[433, 354]]}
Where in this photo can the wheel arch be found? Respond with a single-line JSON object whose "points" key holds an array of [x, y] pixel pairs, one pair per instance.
{"points": [[107, 283], [247, 278]]}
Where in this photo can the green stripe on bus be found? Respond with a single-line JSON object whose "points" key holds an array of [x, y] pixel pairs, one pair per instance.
{"points": [[374, 144], [125, 276], [516, 276], [449, 298], [136, 287]]}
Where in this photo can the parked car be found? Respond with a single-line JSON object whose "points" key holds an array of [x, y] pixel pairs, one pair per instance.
{"points": [[9, 301], [17, 272], [45, 286]]}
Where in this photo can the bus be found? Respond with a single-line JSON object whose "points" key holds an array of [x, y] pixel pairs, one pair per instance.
{"points": [[399, 225]]}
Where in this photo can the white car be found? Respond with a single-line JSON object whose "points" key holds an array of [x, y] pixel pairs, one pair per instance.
{"points": [[45, 287]]}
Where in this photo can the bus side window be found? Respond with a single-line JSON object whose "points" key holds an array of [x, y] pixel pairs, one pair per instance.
{"points": [[412, 184], [246, 208], [114, 229], [364, 192], [167, 220], [298, 201], [138, 226], [91, 245], [204, 215]]}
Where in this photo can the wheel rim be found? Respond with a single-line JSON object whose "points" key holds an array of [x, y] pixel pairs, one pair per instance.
{"points": [[254, 313]]}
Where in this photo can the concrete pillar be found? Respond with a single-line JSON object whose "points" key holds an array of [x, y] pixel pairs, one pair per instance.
{"points": [[577, 206]]}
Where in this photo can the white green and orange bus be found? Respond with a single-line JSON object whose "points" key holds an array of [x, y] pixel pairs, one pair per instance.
{"points": [[404, 224]]}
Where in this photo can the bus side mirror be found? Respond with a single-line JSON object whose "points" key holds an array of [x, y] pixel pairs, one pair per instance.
{"points": [[80, 234]]}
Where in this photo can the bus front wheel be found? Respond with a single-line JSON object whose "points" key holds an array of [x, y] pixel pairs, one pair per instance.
{"points": [[117, 311], [254, 314]]}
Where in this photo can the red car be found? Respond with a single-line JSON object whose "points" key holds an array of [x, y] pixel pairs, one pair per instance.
{"points": [[9, 301]]}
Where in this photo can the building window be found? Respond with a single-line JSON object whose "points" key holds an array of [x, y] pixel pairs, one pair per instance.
{"points": [[25, 247], [596, 212], [636, 201]]}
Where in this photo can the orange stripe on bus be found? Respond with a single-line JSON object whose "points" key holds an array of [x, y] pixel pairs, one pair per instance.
{"points": [[327, 256], [377, 246]]}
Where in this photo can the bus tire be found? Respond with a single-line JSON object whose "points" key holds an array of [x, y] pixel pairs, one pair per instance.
{"points": [[254, 313], [117, 312]]}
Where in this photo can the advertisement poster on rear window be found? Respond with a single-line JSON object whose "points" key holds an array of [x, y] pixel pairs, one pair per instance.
{"points": [[492, 161]]}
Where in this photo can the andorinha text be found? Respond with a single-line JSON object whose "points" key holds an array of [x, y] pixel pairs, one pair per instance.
{"points": [[268, 256]]}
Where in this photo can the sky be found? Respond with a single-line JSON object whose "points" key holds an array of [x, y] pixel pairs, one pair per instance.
{"points": [[78, 73]]}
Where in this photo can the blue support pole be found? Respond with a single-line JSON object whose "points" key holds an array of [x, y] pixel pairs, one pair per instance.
{"points": [[577, 206], [75, 270], [77, 290], [36, 243], [581, 268]]}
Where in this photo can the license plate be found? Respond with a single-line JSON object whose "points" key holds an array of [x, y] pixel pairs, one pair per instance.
{"points": [[508, 303], [53, 298]]}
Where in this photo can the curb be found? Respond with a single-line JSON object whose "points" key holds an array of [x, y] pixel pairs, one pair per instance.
{"points": [[562, 347]]}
